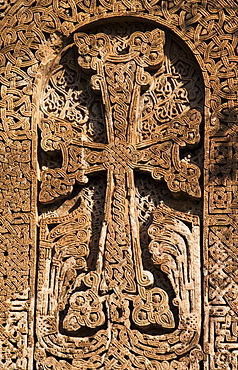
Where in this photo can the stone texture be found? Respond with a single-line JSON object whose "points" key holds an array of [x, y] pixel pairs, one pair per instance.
{"points": [[118, 185]]}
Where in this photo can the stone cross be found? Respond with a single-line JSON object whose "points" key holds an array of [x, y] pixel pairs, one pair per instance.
{"points": [[119, 278]]}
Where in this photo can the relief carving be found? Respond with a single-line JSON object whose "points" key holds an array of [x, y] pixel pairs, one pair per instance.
{"points": [[98, 294], [46, 94]]}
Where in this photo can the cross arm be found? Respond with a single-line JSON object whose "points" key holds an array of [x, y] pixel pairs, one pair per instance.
{"points": [[164, 163], [160, 155], [79, 158]]}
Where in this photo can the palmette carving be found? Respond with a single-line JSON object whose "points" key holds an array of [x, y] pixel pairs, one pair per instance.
{"points": [[153, 310]]}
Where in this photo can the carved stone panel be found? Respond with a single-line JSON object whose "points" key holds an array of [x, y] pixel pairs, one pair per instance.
{"points": [[118, 184], [119, 271]]}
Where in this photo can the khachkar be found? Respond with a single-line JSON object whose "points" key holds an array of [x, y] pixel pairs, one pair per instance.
{"points": [[46, 92], [105, 298]]}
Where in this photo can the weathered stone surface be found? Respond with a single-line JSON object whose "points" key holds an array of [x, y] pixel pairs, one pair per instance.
{"points": [[118, 185]]}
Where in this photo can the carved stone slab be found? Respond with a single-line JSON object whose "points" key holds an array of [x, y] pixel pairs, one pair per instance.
{"points": [[118, 184]]}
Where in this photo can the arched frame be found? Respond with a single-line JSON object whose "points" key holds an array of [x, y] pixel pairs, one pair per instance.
{"points": [[32, 33]]}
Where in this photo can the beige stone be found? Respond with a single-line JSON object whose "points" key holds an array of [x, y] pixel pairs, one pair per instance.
{"points": [[118, 185]]}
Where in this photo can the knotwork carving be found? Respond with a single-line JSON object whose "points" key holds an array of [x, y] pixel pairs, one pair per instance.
{"points": [[32, 34], [117, 296]]}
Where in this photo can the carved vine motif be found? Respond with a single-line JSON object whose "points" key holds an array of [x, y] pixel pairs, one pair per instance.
{"points": [[117, 298]]}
